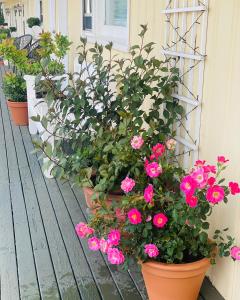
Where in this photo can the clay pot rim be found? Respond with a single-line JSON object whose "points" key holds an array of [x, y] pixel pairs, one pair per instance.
{"points": [[16, 103], [201, 263]]}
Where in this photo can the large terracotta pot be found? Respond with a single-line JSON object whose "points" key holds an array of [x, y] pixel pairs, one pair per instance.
{"points": [[19, 112], [174, 281], [88, 193]]}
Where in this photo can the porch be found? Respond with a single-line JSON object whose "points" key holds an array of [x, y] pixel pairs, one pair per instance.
{"points": [[40, 255]]}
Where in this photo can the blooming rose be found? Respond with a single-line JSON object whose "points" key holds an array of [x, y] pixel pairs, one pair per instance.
{"points": [[210, 169], [200, 163], [151, 250], [188, 185], [158, 150], [115, 256], [215, 194], [222, 160], [192, 201], [235, 253], [127, 184], [153, 169], [83, 230], [114, 237], [104, 245], [148, 193], [211, 181], [171, 144], [200, 177], [159, 220], [137, 142], [93, 244], [234, 188], [134, 216]]}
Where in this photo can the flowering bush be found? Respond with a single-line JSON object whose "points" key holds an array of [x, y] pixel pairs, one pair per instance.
{"points": [[165, 218]]}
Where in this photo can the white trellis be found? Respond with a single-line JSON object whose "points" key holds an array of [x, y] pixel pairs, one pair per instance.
{"points": [[185, 40]]}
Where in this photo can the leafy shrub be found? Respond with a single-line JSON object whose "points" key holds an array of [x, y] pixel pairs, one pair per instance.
{"points": [[33, 22], [12, 29], [14, 87]]}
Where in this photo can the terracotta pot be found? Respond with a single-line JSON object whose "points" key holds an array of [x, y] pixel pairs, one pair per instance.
{"points": [[174, 281], [88, 193], [19, 112]]}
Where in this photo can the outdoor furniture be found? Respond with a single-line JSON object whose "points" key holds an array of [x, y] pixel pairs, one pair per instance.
{"points": [[23, 42], [32, 53]]}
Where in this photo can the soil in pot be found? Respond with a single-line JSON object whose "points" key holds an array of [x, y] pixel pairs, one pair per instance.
{"points": [[19, 112], [174, 281]]}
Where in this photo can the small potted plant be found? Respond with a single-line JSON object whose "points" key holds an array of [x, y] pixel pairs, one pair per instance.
{"points": [[14, 87], [164, 224], [33, 22]]}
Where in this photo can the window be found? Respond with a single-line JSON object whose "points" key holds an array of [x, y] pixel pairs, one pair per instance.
{"points": [[87, 15], [106, 20]]}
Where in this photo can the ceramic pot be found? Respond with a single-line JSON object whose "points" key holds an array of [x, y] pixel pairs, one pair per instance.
{"points": [[174, 281]]}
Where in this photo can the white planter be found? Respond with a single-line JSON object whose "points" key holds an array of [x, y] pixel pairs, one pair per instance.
{"points": [[38, 107]]}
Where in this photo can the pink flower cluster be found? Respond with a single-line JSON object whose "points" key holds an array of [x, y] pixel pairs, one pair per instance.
{"points": [[148, 193], [127, 184], [235, 253], [153, 169], [115, 256], [135, 217], [151, 250], [137, 142], [83, 230]]}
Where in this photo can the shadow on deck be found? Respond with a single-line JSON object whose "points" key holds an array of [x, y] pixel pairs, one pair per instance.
{"points": [[40, 255]]}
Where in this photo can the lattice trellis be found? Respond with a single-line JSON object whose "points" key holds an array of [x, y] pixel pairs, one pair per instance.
{"points": [[185, 40]]}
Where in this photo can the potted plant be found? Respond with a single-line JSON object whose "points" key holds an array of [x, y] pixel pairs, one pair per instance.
{"points": [[164, 224], [33, 22], [14, 88], [106, 99]]}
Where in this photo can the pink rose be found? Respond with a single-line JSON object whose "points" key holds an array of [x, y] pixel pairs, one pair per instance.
{"points": [[151, 250], [234, 188], [192, 201], [104, 245], [127, 184], [153, 169], [171, 144], [93, 244], [158, 150], [215, 194], [160, 220], [188, 185], [200, 177], [148, 193], [137, 142], [210, 169], [235, 253], [200, 163], [222, 160], [114, 237], [134, 216], [211, 181], [83, 230], [115, 256]]}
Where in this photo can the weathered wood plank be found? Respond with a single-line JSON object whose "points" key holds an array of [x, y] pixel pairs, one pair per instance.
{"points": [[63, 270], [124, 282], [26, 271], [101, 273], [82, 272], [8, 262]]}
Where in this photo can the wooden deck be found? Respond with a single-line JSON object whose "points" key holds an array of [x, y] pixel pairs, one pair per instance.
{"points": [[40, 255]]}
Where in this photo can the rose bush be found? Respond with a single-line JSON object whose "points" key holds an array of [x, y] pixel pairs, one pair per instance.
{"points": [[166, 218]]}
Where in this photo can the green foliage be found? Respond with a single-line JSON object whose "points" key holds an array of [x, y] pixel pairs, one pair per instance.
{"points": [[43, 62], [2, 20], [12, 29], [14, 87], [33, 22], [102, 109], [5, 32]]}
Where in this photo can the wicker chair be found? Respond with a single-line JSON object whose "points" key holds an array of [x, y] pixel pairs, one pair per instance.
{"points": [[32, 53], [23, 42]]}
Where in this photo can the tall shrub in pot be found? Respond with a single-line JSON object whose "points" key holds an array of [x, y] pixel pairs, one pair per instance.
{"points": [[102, 110]]}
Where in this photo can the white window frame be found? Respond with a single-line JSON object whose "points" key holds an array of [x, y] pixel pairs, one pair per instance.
{"points": [[103, 33]]}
